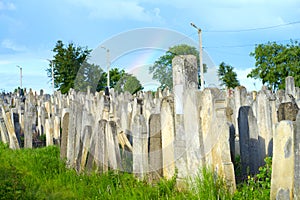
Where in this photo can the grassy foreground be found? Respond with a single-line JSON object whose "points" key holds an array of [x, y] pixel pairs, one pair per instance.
{"points": [[40, 174]]}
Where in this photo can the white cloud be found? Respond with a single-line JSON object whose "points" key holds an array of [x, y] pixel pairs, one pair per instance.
{"points": [[7, 6], [9, 44], [118, 9], [250, 83]]}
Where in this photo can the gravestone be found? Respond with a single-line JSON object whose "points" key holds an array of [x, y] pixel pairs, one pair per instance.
{"points": [[240, 97], [49, 132], [167, 132], [140, 146], [264, 122], [185, 78], [65, 131], [290, 86], [287, 111], [297, 159], [283, 162], [250, 142], [155, 148], [13, 141]]}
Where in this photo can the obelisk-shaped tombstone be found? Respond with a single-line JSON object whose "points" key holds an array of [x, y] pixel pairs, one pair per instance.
{"points": [[185, 77]]}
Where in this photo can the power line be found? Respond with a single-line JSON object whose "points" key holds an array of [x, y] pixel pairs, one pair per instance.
{"points": [[245, 45], [252, 29]]}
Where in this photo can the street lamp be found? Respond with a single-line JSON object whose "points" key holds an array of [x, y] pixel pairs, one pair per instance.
{"points": [[20, 76], [108, 64], [200, 56], [52, 73]]}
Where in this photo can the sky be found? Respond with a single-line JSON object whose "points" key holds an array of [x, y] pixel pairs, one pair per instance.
{"points": [[137, 32]]}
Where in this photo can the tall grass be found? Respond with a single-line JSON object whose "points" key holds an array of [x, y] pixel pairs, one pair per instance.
{"points": [[40, 174], [207, 185]]}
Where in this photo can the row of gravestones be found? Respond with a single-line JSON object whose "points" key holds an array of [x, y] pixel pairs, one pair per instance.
{"points": [[185, 130]]}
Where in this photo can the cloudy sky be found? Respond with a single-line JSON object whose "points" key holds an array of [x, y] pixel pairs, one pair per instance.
{"points": [[231, 28]]}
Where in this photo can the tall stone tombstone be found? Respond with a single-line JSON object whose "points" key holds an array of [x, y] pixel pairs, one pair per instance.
{"points": [[290, 86], [3, 131], [49, 132], [86, 139], [264, 121], [155, 148], [285, 162], [192, 132], [240, 97], [13, 141], [185, 78], [113, 151], [140, 146], [167, 132], [250, 142], [297, 159], [65, 132]]}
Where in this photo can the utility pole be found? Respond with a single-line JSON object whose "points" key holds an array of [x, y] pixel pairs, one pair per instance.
{"points": [[21, 76], [200, 56], [108, 65]]}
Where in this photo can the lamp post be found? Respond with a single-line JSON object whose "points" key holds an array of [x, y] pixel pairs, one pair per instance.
{"points": [[200, 56], [20, 76], [108, 64]]}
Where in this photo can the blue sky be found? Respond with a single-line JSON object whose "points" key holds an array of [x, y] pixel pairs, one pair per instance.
{"points": [[30, 29]]}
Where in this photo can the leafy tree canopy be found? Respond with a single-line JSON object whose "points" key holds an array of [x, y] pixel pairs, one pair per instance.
{"points": [[66, 64], [227, 76], [274, 62], [129, 83], [162, 68]]}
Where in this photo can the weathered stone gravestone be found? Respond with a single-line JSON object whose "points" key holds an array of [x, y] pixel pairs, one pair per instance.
{"points": [[287, 111], [252, 152], [155, 148], [283, 162], [167, 132]]}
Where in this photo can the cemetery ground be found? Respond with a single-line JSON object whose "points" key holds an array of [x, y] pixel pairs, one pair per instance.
{"points": [[40, 174]]}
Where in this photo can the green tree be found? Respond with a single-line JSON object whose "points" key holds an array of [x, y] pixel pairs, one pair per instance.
{"points": [[227, 76], [115, 75], [129, 83], [274, 62], [162, 68], [67, 61], [88, 75]]}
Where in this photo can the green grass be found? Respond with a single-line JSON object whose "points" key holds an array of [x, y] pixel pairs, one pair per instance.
{"points": [[40, 174]]}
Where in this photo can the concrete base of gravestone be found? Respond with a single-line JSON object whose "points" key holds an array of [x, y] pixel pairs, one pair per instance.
{"points": [[283, 171]]}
